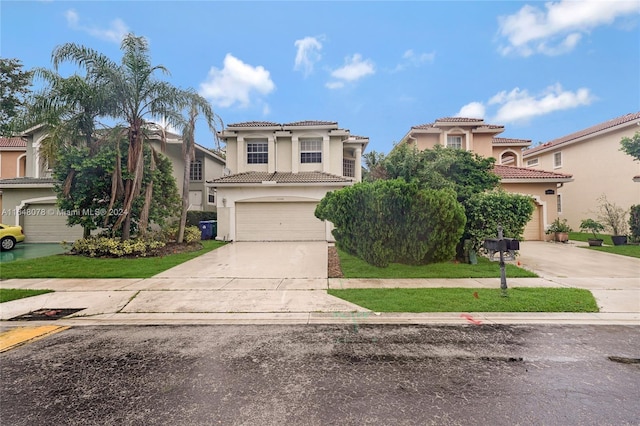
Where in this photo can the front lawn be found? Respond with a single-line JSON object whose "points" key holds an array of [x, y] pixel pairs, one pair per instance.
{"points": [[631, 250], [353, 267], [520, 299], [9, 294], [67, 266]]}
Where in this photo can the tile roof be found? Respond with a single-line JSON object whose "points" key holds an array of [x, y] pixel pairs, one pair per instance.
{"points": [[460, 120], [311, 123], [510, 141], [15, 142], [510, 172], [281, 177], [585, 132], [254, 124], [27, 181]]}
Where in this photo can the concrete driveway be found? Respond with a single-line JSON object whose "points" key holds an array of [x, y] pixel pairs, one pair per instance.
{"points": [[257, 260], [570, 260]]}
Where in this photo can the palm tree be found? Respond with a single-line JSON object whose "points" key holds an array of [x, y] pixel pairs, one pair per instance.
{"points": [[198, 105], [137, 97]]}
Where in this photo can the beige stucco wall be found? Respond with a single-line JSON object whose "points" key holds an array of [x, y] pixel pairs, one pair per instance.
{"points": [[12, 164], [482, 144], [598, 167], [13, 198]]}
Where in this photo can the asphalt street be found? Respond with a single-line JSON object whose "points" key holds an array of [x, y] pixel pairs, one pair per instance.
{"points": [[346, 374]]}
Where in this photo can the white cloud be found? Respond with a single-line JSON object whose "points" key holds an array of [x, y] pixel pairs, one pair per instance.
{"points": [[354, 69], [307, 55], [412, 59], [519, 105], [115, 33], [235, 83], [472, 110], [558, 28]]}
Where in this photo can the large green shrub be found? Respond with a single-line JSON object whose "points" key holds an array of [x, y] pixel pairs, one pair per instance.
{"points": [[394, 221], [487, 210], [194, 217]]}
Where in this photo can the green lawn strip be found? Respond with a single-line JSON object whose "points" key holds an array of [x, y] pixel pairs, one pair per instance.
{"points": [[66, 266], [520, 299], [353, 267], [626, 250], [631, 250], [9, 294]]}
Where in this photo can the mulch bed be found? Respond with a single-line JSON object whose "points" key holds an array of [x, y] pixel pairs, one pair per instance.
{"points": [[334, 269]]}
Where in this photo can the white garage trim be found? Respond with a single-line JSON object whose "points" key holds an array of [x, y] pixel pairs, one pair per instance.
{"points": [[278, 221]]}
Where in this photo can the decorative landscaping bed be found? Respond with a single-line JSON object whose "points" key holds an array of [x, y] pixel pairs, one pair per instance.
{"points": [[334, 269]]}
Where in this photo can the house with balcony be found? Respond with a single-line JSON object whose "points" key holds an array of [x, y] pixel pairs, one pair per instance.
{"points": [[473, 134], [276, 175], [598, 166], [32, 192]]}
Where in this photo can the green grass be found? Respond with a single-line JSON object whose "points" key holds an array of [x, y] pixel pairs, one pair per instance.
{"points": [[631, 250], [520, 299], [9, 294], [66, 266], [353, 267]]}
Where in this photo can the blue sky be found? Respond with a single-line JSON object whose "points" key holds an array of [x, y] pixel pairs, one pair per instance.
{"points": [[543, 70]]}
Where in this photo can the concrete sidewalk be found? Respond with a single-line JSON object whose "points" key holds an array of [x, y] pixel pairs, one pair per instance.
{"points": [[296, 301]]}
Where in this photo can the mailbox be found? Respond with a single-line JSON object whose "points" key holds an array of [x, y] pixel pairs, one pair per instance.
{"points": [[512, 244]]}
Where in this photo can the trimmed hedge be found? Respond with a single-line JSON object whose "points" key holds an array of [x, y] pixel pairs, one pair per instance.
{"points": [[392, 221]]}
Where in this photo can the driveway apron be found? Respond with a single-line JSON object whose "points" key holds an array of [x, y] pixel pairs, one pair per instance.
{"points": [[257, 260]]}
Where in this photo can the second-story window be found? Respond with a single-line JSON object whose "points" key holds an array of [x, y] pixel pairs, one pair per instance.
{"points": [[195, 171], [257, 153], [311, 150], [454, 142], [557, 160], [348, 167]]}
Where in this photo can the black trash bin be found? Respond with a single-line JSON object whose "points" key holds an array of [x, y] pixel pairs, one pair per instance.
{"points": [[206, 229]]}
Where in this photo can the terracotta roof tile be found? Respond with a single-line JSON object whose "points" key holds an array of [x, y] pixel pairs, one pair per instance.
{"points": [[585, 132], [460, 120], [311, 123], [255, 124], [510, 141], [13, 143], [281, 177], [510, 172]]}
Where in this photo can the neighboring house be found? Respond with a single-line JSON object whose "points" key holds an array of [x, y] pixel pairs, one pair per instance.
{"points": [[277, 174], [475, 135], [34, 196], [13, 159], [206, 166], [598, 166]]}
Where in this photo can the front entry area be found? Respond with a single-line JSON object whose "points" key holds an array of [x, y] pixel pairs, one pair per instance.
{"points": [[278, 221]]}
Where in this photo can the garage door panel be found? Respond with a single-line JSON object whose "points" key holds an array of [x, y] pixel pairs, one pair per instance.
{"points": [[285, 221], [533, 230], [50, 227]]}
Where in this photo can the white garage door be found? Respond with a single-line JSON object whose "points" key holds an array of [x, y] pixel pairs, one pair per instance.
{"points": [[42, 223], [278, 222], [533, 231]]}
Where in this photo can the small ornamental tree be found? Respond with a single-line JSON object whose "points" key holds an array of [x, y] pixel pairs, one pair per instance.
{"points": [[631, 146], [487, 210], [634, 222], [389, 221]]}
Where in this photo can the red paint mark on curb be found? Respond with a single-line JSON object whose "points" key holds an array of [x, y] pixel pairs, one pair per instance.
{"points": [[470, 319]]}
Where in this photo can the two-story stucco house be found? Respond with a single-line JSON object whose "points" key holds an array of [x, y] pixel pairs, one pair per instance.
{"points": [[598, 167], [277, 174], [13, 159], [473, 134], [33, 191]]}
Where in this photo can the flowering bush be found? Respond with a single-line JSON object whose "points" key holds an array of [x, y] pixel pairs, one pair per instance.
{"points": [[114, 247], [191, 234]]}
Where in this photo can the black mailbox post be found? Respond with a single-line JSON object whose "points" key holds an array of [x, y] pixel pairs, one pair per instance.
{"points": [[506, 248]]}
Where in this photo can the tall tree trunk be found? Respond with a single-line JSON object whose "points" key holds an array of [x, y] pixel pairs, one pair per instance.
{"points": [[185, 197]]}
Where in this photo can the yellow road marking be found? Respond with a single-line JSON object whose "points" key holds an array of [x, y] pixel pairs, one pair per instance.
{"points": [[21, 335]]}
